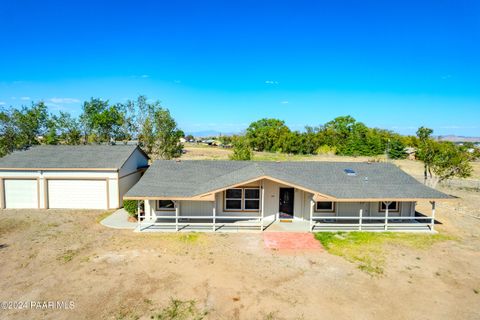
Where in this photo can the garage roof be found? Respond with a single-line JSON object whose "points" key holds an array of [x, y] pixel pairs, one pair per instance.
{"points": [[69, 157], [338, 180]]}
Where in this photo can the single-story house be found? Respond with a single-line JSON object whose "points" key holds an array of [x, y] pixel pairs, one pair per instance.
{"points": [[68, 177], [217, 195]]}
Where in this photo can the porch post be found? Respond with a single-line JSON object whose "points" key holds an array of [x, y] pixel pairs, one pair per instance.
{"points": [[387, 204], [176, 214], [214, 214], [2, 195], [312, 205], [432, 227], [138, 214], [360, 220], [262, 197]]}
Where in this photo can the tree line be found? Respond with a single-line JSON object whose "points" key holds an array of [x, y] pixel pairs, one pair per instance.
{"points": [[155, 130], [342, 136], [346, 136], [99, 122]]}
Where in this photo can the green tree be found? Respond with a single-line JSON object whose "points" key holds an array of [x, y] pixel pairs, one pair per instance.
{"points": [[166, 136], [69, 129], [101, 122], [396, 149], [266, 134], [8, 132], [31, 124], [51, 134], [241, 149], [426, 150], [450, 161]]}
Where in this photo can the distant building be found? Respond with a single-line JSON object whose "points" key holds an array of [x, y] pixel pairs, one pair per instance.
{"points": [[411, 153]]}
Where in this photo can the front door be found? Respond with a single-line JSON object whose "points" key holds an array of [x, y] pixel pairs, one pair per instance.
{"points": [[286, 203]]}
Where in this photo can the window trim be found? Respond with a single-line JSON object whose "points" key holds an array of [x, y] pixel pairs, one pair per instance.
{"points": [[157, 206], [242, 199], [334, 207], [397, 207]]}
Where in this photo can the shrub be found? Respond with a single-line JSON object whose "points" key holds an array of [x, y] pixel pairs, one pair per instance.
{"points": [[131, 207], [326, 150], [241, 149]]}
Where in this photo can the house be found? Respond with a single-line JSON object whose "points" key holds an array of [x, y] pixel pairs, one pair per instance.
{"points": [[226, 195], [411, 153], [80, 177]]}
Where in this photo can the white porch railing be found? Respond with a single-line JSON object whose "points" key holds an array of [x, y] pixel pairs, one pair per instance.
{"points": [[372, 223], [208, 223]]}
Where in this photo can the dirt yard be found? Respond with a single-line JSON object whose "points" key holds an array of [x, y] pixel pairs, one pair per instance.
{"points": [[59, 255], [113, 274]]}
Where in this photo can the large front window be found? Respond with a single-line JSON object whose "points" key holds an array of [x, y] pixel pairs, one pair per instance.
{"points": [[242, 199]]}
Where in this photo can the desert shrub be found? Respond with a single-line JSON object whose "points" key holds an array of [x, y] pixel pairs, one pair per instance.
{"points": [[241, 149], [326, 150], [131, 207]]}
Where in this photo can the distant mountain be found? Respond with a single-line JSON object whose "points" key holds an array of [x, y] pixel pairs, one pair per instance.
{"points": [[454, 138], [209, 133]]}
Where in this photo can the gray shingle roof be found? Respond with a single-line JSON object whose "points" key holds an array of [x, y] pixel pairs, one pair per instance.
{"points": [[78, 157], [194, 177]]}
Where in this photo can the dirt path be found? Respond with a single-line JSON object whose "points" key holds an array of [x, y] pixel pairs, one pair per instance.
{"points": [[114, 274]]}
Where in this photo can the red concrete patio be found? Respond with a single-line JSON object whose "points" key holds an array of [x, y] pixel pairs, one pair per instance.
{"points": [[290, 240]]}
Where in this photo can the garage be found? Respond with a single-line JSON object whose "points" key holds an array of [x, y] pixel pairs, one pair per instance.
{"points": [[70, 177], [77, 194], [21, 193]]}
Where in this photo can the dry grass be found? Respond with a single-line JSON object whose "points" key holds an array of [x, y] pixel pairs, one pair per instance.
{"points": [[369, 249]]}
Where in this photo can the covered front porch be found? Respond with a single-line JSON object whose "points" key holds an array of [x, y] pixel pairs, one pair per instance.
{"points": [[388, 221], [404, 219]]}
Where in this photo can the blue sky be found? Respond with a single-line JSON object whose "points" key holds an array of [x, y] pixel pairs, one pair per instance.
{"points": [[218, 65]]}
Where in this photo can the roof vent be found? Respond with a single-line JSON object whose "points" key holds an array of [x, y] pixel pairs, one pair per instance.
{"points": [[350, 172]]}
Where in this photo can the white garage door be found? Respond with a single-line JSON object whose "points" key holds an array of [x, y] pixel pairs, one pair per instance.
{"points": [[77, 194], [21, 193]]}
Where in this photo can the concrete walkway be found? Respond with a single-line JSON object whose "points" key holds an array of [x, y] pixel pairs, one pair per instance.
{"points": [[293, 226], [118, 220], [291, 241]]}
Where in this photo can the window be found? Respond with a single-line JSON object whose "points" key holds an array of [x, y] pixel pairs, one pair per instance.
{"points": [[165, 205], [242, 199], [233, 199], [392, 207], [325, 206], [252, 199]]}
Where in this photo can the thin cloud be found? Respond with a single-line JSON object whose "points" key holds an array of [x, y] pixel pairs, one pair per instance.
{"points": [[144, 76], [2, 103], [55, 106], [284, 102], [271, 82], [177, 81], [64, 100]]}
